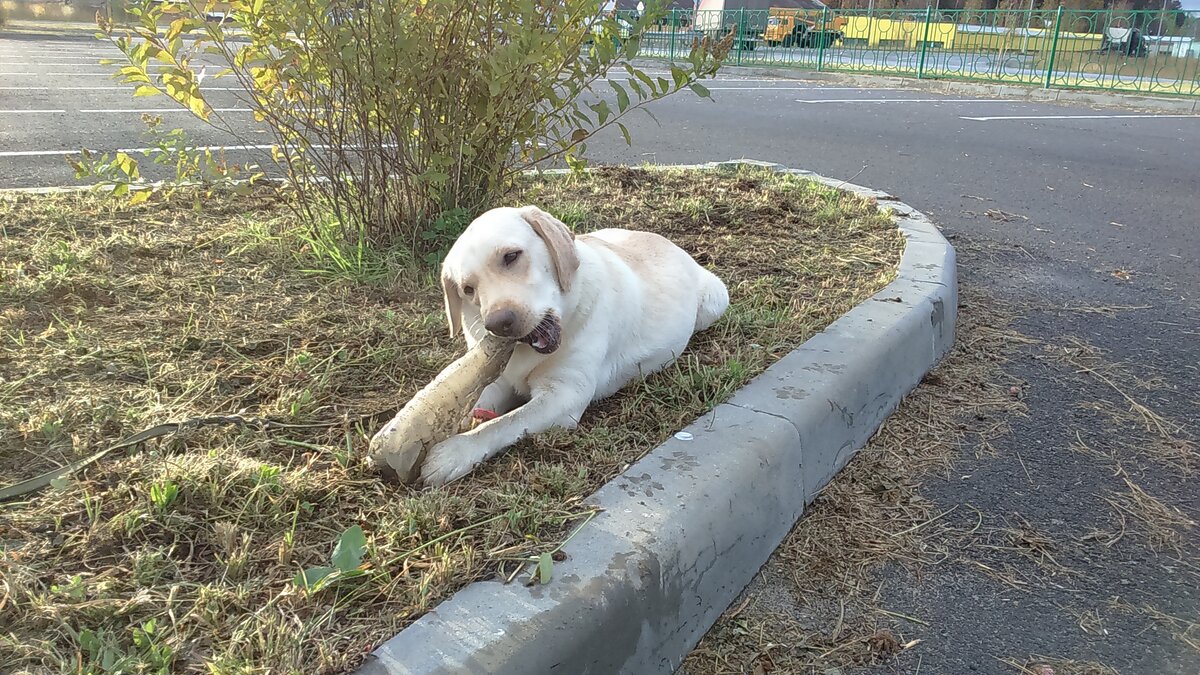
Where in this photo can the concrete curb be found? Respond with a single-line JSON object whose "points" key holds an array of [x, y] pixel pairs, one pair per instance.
{"points": [[1098, 98], [685, 529]]}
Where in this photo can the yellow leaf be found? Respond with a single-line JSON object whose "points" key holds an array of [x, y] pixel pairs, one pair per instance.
{"points": [[139, 197], [176, 28], [146, 90], [198, 107]]}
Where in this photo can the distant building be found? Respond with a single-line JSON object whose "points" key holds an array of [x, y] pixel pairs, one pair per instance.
{"points": [[1183, 47]]}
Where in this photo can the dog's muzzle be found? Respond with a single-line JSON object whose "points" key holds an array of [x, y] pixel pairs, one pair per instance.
{"points": [[546, 337]]}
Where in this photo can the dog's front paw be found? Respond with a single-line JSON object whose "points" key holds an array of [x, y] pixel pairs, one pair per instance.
{"points": [[452, 459]]}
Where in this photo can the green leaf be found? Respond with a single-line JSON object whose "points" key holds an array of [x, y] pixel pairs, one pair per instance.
{"points": [[622, 96], [631, 46], [348, 553], [699, 89], [312, 577], [625, 133], [679, 75], [646, 79], [545, 568], [602, 111]]}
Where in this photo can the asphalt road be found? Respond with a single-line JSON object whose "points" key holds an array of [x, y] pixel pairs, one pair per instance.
{"points": [[1061, 205]]}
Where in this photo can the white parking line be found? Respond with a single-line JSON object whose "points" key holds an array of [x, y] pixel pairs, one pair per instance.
{"points": [[795, 89], [156, 110], [25, 112], [903, 100], [70, 56], [18, 74], [1071, 117], [83, 62], [35, 58], [63, 153], [127, 88]]}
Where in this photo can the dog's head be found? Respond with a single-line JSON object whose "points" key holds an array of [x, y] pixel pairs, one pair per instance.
{"points": [[515, 266]]}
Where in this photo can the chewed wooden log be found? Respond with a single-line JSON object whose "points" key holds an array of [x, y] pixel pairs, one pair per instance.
{"points": [[438, 410]]}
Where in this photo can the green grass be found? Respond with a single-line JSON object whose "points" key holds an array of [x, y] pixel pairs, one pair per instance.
{"points": [[184, 552]]}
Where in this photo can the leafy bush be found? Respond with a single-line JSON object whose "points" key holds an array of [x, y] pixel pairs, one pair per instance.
{"points": [[389, 113]]}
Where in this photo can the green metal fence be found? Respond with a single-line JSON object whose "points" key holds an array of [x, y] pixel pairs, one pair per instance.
{"points": [[1152, 52]]}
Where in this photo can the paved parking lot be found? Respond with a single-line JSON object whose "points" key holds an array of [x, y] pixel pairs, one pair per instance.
{"points": [[1061, 206]]}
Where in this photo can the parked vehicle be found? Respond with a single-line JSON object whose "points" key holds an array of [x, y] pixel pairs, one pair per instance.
{"points": [[747, 27], [1127, 41], [790, 28]]}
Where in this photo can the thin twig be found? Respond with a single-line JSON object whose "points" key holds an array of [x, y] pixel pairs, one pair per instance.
{"points": [[918, 526], [1014, 664], [1027, 476], [902, 616]]}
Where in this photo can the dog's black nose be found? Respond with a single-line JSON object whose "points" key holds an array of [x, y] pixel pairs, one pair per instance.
{"points": [[501, 322]]}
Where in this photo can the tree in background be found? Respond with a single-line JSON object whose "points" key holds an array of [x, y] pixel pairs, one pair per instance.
{"points": [[393, 120]]}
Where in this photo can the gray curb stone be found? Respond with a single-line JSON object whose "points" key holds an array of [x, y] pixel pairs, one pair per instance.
{"points": [[684, 530]]}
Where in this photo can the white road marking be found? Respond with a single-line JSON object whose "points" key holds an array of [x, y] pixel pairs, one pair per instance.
{"points": [[83, 62], [794, 89], [1072, 117], [18, 74], [156, 110], [63, 153], [22, 112], [903, 100], [128, 88], [34, 59], [70, 56]]}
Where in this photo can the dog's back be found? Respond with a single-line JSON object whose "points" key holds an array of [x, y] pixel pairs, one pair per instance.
{"points": [[673, 297]]}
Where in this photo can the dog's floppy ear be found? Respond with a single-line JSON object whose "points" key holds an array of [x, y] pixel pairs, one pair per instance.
{"points": [[453, 303], [559, 239]]}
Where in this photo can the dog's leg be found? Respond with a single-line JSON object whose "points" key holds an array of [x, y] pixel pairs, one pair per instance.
{"points": [[498, 397], [559, 404]]}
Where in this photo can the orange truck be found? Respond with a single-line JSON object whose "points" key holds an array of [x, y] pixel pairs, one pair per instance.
{"points": [[801, 28]]}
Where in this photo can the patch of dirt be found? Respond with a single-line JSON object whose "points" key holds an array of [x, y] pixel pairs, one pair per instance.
{"points": [[181, 553]]}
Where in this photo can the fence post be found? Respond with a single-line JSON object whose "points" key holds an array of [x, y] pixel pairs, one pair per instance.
{"points": [[924, 42], [1053, 48], [822, 39], [741, 33], [674, 23]]}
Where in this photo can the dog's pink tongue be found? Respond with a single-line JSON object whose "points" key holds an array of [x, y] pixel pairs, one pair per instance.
{"points": [[539, 342]]}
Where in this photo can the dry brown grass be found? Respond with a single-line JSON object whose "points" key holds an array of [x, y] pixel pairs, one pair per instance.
{"points": [[1045, 665], [1091, 362], [1164, 526], [1185, 630], [181, 553], [870, 515]]}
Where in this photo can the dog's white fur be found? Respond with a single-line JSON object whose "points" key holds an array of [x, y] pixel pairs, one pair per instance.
{"points": [[628, 303]]}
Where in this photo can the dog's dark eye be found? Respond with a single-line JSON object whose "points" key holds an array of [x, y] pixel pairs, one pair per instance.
{"points": [[511, 257], [468, 290]]}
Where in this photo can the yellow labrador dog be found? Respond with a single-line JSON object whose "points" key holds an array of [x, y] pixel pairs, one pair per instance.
{"points": [[591, 313]]}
